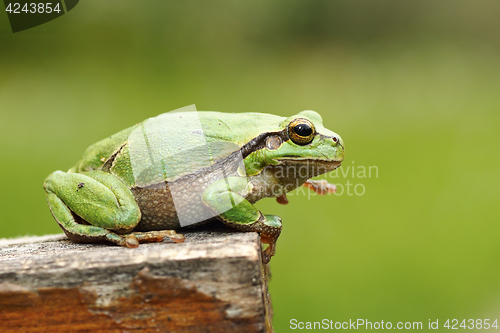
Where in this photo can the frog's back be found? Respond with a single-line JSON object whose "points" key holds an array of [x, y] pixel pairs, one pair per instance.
{"points": [[175, 144], [95, 155]]}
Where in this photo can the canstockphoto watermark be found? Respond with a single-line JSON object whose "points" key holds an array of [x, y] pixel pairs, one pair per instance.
{"points": [[357, 173], [431, 324], [328, 324]]}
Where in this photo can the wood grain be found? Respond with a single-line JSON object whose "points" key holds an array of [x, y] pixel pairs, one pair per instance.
{"points": [[214, 282]]}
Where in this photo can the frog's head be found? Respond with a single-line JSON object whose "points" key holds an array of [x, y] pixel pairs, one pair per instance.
{"points": [[302, 145]]}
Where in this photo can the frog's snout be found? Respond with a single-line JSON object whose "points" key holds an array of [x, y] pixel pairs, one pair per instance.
{"points": [[341, 143], [338, 145]]}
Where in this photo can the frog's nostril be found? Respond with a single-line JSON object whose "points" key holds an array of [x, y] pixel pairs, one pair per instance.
{"points": [[335, 140]]}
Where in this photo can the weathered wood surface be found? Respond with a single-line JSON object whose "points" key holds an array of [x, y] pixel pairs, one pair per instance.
{"points": [[214, 282]]}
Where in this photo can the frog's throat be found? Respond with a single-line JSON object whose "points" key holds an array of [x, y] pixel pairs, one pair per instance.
{"points": [[314, 167]]}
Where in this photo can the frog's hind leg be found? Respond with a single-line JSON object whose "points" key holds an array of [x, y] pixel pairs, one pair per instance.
{"points": [[99, 199]]}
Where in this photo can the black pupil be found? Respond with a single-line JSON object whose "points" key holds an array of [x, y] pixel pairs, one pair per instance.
{"points": [[303, 130]]}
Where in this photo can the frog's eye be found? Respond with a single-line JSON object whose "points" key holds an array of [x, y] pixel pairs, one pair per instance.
{"points": [[301, 131]]}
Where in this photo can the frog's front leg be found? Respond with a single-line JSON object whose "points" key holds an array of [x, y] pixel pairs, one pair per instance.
{"points": [[101, 200], [223, 197]]}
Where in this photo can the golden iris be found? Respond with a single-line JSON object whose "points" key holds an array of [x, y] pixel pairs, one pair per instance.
{"points": [[301, 131]]}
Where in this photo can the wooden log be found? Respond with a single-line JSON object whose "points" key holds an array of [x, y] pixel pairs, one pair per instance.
{"points": [[213, 282]]}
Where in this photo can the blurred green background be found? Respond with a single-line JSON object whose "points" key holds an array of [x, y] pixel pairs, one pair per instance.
{"points": [[413, 88]]}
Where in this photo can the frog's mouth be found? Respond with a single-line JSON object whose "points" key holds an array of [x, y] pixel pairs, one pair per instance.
{"points": [[290, 159]]}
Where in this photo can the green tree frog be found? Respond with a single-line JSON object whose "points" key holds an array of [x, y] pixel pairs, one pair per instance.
{"points": [[182, 169]]}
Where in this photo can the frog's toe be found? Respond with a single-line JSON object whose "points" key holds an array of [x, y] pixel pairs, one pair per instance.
{"points": [[178, 238], [131, 241], [282, 199], [321, 187]]}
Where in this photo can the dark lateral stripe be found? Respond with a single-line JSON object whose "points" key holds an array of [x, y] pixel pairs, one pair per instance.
{"points": [[232, 161], [259, 142]]}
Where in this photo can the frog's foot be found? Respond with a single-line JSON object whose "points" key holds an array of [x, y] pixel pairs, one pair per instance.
{"points": [[133, 239], [269, 235], [269, 252], [269, 228], [156, 236], [321, 187]]}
